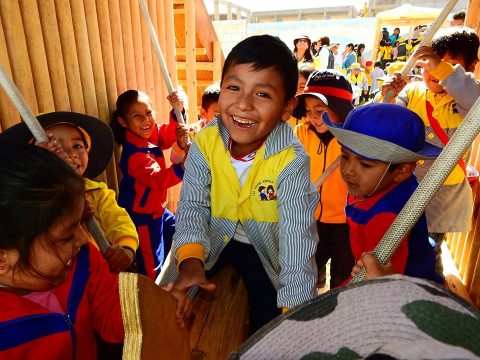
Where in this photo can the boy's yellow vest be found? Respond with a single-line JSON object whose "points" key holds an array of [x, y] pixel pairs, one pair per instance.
{"points": [[230, 202]]}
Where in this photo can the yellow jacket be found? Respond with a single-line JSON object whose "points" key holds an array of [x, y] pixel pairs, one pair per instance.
{"points": [[333, 192], [114, 220]]}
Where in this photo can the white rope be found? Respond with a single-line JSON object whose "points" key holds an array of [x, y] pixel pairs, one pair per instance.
{"points": [[161, 59], [425, 41], [433, 180]]}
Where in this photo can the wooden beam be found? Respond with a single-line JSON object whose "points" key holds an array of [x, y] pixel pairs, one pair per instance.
{"points": [[191, 66], [199, 66], [198, 51]]}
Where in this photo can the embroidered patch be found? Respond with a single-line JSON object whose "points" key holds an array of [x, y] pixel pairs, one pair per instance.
{"points": [[264, 191]]}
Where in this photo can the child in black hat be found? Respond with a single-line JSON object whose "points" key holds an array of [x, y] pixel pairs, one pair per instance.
{"points": [[327, 91], [88, 144]]}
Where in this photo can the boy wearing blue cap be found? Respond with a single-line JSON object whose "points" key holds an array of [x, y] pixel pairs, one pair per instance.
{"points": [[380, 146]]}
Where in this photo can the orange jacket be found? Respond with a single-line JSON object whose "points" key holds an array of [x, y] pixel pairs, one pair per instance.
{"points": [[333, 192]]}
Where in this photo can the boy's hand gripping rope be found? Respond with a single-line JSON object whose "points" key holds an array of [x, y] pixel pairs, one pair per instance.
{"points": [[433, 180], [425, 41], [39, 134]]}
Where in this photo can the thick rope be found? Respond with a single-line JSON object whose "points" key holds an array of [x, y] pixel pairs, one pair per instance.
{"points": [[459, 143], [40, 136], [425, 41]]}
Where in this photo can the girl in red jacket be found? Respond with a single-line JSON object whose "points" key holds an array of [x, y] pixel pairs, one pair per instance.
{"points": [[56, 291], [145, 175]]}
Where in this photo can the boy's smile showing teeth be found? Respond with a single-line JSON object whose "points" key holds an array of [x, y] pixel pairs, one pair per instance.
{"points": [[252, 102], [242, 122]]}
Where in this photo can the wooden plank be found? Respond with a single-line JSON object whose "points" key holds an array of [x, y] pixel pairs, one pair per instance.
{"points": [[70, 55], [455, 285], [36, 54], [8, 114], [127, 41], [190, 45], [17, 50], [198, 66], [217, 61], [53, 50], [117, 45], [137, 19], [100, 85], [84, 57], [220, 321], [198, 51]]}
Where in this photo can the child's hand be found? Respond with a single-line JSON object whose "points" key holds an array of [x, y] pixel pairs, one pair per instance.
{"points": [[54, 146], [396, 83], [118, 258], [177, 97], [426, 58], [184, 304], [373, 269], [182, 135], [191, 273]]}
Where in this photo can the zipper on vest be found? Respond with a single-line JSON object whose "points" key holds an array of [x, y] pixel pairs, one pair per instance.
{"points": [[321, 186], [71, 329]]}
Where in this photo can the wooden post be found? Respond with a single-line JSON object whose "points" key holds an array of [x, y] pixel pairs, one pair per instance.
{"points": [[164, 104], [84, 58], [17, 50], [70, 55], [216, 16], [217, 61], [128, 47], [190, 36], [8, 113], [37, 56], [117, 45], [137, 44]]}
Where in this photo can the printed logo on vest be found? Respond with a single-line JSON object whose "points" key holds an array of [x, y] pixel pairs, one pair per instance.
{"points": [[264, 191]]}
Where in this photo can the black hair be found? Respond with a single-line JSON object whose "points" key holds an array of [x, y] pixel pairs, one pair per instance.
{"points": [[305, 69], [262, 52], [210, 96], [124, 101], [325, 40], [351, 46], [360, 47], [378, 64], [456, 41], [36, 189], [460, 15]]}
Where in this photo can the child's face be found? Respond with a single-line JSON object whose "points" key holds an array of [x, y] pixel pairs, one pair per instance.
{"points": [[139, 119], [355, 72], [301, 84], [252, 102], [314, 108], [432, 82], [209, 114], [73, 144], [51, 254], [362, 176]]}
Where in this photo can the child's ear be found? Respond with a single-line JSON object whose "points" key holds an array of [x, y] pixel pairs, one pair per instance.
{"points": [[403, 171], [289, 107], [471, 68], [5, 261], [122, 121], [203, 113]]}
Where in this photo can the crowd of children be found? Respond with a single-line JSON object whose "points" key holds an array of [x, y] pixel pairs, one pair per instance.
{"points": [[266, 135]]}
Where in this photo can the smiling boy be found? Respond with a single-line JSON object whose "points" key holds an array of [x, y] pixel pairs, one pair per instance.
{"points": [[222, 217], [380, 146]]}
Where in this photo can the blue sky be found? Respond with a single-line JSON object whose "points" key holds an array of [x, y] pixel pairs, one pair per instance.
{"points": [[259, 5]]}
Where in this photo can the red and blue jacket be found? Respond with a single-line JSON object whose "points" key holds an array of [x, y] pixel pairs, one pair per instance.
{"points": [[90, 299], [370, 218], [145, 176]]}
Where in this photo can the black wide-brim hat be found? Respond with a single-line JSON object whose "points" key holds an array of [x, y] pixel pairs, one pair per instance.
{"points": [[394, 317], [99, 136]]}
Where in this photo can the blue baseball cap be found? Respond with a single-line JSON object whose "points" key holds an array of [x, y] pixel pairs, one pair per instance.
{"points": [[384, 132]]}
